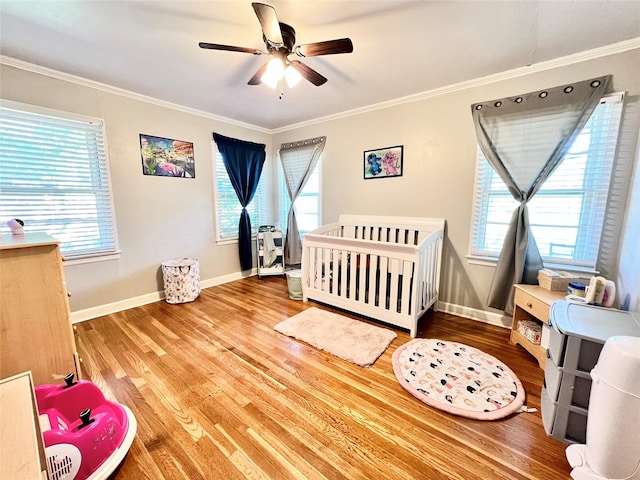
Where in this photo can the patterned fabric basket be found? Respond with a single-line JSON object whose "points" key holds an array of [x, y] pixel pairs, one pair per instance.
{"points": [[181, 280]]}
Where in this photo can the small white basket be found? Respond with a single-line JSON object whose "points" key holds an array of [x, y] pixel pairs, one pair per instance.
{"points": [[294, 282], [181, 280]]}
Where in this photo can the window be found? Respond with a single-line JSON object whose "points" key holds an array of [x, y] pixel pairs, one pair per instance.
{"points": [[307, 203], [228, 208], [567, 213], [54, 176]]}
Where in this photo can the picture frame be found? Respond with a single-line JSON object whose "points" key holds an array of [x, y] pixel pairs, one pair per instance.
{"points": [[383, 162], [165, 157]]}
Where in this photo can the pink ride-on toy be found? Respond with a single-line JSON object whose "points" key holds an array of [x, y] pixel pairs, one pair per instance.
{"points": [[86, 436]]}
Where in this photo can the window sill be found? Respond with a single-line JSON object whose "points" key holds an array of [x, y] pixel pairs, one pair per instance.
{"points": [[91, 259], [493, 261], [484, 261]]}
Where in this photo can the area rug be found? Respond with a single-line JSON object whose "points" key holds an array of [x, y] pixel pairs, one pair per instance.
{"points": [[349, 339], [458, 379]]}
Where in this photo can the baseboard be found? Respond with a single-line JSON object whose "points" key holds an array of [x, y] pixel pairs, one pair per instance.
{"points": [[483, 316], [95, 312]]}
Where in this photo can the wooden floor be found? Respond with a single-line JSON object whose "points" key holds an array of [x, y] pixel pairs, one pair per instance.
{"points": [[218, 394]]}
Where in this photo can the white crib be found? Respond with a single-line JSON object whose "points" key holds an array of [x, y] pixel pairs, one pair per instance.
{"points": [[385, 268]]}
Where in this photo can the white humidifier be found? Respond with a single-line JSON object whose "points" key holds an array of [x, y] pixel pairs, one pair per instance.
{"points": [[612, 450]]}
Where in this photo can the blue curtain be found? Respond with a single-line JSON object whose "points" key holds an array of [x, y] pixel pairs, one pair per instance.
{"points": [[243, 161]]}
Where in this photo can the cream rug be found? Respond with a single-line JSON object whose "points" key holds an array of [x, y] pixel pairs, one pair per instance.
{"points": [[352, 340]]}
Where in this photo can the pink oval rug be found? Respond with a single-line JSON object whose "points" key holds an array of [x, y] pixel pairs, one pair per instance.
{"points": [[458, 379]]}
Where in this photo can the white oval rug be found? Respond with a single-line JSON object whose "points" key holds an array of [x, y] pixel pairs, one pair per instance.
{"points": [[458, 379]]}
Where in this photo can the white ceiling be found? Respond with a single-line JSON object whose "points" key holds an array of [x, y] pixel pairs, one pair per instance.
{"points": [[401, 48]]}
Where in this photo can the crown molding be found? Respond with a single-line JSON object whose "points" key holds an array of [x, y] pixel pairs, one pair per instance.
{"points": [[30, 67], [595, 53]]}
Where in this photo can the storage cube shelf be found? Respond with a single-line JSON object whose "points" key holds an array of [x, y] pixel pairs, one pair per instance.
{"points": [[277, 266]]}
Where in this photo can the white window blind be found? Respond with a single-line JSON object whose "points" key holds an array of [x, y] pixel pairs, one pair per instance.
{"points": [[568, 212], [228, 208], [54, 176], [308, 202]]}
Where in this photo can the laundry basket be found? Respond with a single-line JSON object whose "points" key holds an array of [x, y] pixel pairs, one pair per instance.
{"points": [[294, 282], [181, 280]]}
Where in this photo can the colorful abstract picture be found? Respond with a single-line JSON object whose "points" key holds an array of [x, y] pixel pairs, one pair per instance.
{"points": [[167, 158], [383, 162]]}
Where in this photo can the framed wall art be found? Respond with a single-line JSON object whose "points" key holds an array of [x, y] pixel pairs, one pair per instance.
{"points": [[165, 157], [383, 162]]}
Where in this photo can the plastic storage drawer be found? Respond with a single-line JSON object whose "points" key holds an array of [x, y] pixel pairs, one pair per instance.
{"points": [[573, 353], [567, 388], [565, 423], [579, 331]]}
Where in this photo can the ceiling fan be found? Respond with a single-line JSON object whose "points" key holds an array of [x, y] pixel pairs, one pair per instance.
{"points": [[280, 40]]}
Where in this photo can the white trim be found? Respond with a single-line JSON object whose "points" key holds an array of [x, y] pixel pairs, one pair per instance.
{"points": [[497, 319], [599, 52], [67, 77], [49, 112], [612, 49], [95, 312]]}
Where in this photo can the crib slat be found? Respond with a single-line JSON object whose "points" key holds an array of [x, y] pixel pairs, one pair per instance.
{"points": [[363, 266], [311, 267], [326, 269], [353, 271], [335, 256], [318, 278], [372, 273], [393, 294], [384, 265], [407, 278], [344, 264]]}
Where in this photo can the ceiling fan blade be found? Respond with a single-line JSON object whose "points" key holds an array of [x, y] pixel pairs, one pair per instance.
{"points": [[308, 73], [269, 22], [257, 78], [229, 48], [329, 47]]}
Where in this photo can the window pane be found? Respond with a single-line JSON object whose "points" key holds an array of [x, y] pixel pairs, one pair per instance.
{"points": [[54, 176], [228, 208], [567, 213], [307, 203]]}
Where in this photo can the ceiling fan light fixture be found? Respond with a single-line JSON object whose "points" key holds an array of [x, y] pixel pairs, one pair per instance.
{"points": [[275, 71], [292, 76]]}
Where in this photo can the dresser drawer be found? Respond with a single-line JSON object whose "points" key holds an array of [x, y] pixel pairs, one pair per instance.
{"points": [[532, 305]]}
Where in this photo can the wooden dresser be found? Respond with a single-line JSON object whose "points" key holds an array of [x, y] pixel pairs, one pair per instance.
{"points": [[37, 334]]}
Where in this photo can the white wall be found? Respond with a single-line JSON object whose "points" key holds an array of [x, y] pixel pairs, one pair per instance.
{"points": [[162, 218], [439, 163], [158, 218], [628, 281]]}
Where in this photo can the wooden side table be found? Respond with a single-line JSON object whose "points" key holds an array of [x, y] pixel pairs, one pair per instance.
{"points": [[532, 302]]}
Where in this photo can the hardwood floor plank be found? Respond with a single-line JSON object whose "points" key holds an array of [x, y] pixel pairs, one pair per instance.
{"points": [[219, 394]]}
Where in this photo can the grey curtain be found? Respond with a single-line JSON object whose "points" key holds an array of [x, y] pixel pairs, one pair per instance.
{"points": [[298, 160], [524, 161]]}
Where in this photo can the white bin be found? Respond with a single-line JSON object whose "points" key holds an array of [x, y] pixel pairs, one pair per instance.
{"points": [[181, 280], [294, 283]]}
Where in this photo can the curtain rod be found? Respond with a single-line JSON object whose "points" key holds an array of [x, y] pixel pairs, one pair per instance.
{"points": [[302, 143]]}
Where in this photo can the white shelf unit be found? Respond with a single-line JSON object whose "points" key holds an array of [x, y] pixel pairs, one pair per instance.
{"points": [[277, 267]]}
